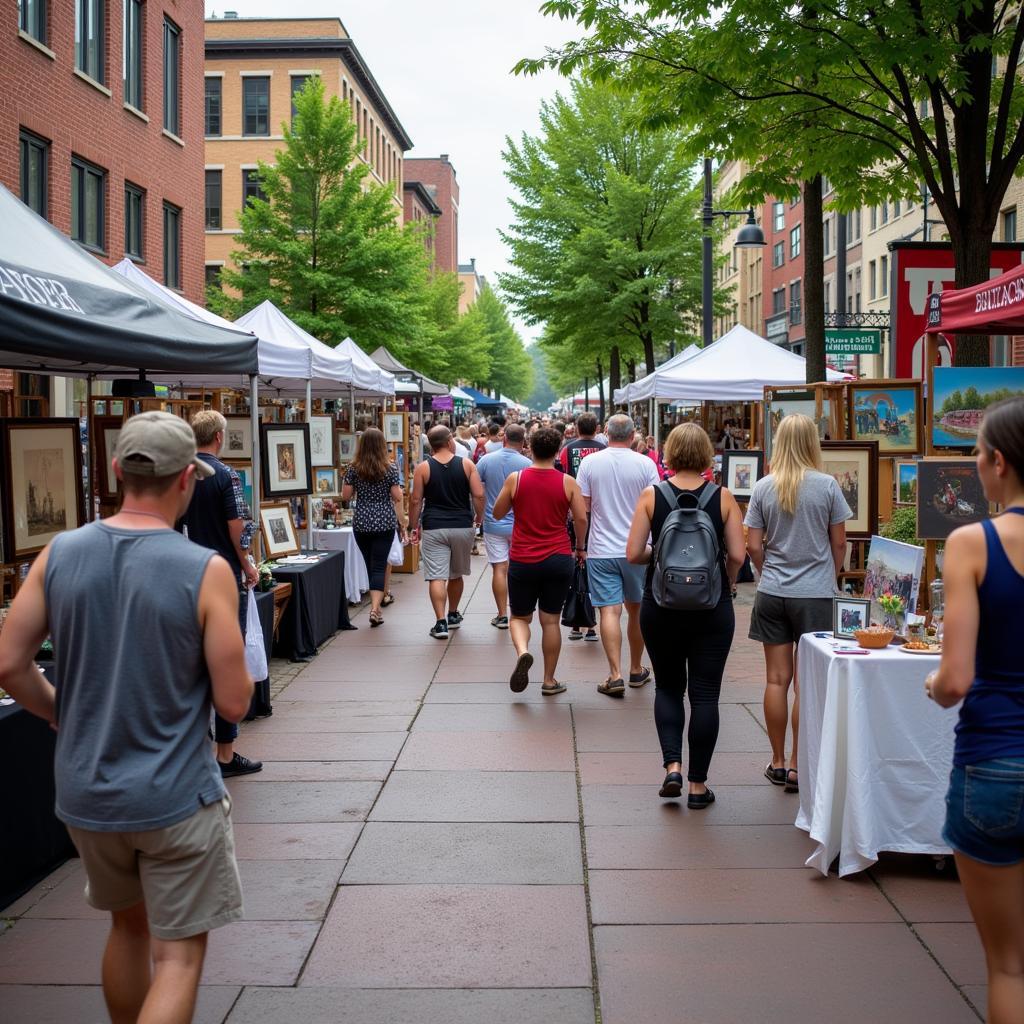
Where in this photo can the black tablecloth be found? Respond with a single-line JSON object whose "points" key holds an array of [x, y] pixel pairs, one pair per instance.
{"points": [[318, 605], [260, 706], [32, 841]]}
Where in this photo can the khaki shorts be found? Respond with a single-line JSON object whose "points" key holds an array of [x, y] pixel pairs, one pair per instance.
{"points": [[447, 553], [186, 873]]}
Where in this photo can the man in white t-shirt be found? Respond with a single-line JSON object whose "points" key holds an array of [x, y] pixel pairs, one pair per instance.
{"points": [[611, 481]]}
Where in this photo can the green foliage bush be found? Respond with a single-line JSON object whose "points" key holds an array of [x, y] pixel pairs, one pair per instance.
{"points": [[903, 527]]}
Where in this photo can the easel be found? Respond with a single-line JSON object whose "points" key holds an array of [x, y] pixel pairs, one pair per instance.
{"points": [[931, 547]]}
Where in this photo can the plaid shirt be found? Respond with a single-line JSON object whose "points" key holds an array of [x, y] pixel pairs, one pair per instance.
{"points": [[243, 510]]}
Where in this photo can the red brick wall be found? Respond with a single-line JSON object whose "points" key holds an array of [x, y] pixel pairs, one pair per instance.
{"points": [[440, 173], [45, 96]]}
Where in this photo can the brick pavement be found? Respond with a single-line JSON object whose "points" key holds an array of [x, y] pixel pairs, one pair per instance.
{"points": [[425, 846]]}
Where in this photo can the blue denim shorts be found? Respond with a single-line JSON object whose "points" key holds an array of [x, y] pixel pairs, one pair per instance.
{"points": [[614, 581], [985, 811]]}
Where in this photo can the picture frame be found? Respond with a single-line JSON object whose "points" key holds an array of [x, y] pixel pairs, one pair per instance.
{"points": [[905, 477], [848, 615], [321, 441], [394, 427], [949, 494], [277, 529], [325, 481], [741, 470], [889, 412], [286, 466], [960, 395], [893, 567], [782, 402], [245, 474], [854, 466], [106, 430], [43, 494], [237, 439], [345, 447]]}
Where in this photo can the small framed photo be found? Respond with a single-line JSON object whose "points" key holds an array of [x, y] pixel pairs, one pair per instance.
{"points": [[237, 439], [346, 447], [286, 460], [325, 481], [848, 615], [321, 433], [854, 466], [741, 470], [106, 431], [278, 530], [394, 427], [906, 483]]}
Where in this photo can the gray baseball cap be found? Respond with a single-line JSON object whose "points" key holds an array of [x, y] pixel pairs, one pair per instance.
{"points": [[158, 444]]}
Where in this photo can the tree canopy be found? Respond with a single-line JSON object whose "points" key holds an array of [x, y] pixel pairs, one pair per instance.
{"points": [[510, 370]]}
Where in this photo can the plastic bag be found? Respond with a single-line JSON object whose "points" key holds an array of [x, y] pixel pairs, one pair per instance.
{"points": [[578, 610], [255, 653], [396, 556]]}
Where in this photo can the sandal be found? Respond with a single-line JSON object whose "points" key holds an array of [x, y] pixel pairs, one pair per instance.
{"points": [[376, 620], [612, 687], [550, 691], [776, 776], [792, 784], [389, 598]]}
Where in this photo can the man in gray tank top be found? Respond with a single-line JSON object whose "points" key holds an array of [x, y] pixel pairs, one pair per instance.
{"points": [[146, 638]]}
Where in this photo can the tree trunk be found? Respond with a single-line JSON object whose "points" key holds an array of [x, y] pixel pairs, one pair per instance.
{"points": [[972, 258], [631, 366], [586, 395], [614, 372], [814, 281], [600, 392]]}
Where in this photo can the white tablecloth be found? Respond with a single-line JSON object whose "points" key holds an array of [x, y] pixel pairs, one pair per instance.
{"points": [[875, 755], [357, 582]]}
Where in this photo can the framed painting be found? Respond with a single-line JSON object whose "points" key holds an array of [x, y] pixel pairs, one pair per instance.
{"points": [[394, 427], [43, 494], [848, 615], [106, 430], [782, 403], [906, 483], [949, 494], [854, 466], [245, 475], [287, 469], [741, 470], [961, 396], [325, 481], [277, 529], [346, 447], [889, 412], [321, 441], [237, 439], [893, 568]]}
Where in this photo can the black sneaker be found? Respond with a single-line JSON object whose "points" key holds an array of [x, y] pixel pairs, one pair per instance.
{"points": [[239, 765], [440, 630], [591, 635], [575, 634], [454, 620]]}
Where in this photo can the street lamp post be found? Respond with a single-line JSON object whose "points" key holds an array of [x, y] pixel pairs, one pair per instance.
{"points": [[750, 237]]}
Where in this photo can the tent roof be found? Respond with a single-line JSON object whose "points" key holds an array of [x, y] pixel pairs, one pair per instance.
{"points": [[460, 395], [368, 375], [383, 358], [995, 307], [479, 398], [63, 312], [643, 389]]}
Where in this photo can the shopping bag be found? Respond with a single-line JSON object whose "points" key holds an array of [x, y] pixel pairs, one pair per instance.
{"points": [[578, 610], [396, 556], [255, 653]]}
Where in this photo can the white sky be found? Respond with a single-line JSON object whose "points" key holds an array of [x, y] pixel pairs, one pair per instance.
{"points": [[446, 70]]}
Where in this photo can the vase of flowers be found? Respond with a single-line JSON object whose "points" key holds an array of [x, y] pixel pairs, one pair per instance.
{"points": [[266, 580], [893, 608]]}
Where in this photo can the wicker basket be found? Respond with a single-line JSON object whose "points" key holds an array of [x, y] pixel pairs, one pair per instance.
{"points": [[874, 639]]}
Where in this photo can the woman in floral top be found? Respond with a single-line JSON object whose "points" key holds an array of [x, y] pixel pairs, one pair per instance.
{"points": [[373, 480]]}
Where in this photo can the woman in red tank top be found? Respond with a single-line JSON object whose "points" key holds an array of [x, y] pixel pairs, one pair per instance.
{"points": [[541, 560]]}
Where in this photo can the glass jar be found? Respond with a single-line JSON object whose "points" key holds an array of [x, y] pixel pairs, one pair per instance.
{"points": [[937, 601]]}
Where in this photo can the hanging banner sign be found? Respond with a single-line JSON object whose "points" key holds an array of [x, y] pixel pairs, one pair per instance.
{"points": [[853, 341], [442, 402]]}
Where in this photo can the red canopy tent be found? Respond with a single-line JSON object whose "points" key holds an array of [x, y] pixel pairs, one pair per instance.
{"points": [[995, 307]]}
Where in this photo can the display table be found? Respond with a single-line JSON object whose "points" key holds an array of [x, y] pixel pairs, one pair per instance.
{"points": [[357, 582], [874, 756], [318, 605]]}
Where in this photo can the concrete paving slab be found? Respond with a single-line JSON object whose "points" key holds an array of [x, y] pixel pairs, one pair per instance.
{"points": [[273, 950], [329, 724], [505, 717], [302, 801], [317, 771], [919, 892], [288, 890], [319, 746], [532, 751], [957, 948], [83, 1004], [373, 687], [302, 841], [734, 805], [643, 769]]}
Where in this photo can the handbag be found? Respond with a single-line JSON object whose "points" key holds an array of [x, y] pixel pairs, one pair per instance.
{"points": [[578, 610]]}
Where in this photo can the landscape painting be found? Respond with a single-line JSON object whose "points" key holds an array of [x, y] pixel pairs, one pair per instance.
{"points": [[962, 394], [887, 412], [906, 483]]}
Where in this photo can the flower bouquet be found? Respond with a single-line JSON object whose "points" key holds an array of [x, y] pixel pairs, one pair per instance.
{"points": [[266, 580], [894, 607]]}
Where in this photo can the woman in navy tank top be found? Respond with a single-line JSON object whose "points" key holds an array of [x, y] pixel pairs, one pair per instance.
{"points": [[983, 665]]}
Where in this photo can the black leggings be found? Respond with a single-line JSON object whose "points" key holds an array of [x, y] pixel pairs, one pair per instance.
{"points": [[375, 547], [687, 648]]}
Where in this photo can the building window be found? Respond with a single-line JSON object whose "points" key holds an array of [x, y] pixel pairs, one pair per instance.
{"points": [[213, 106], [779, 216], [251, 187], [872, 280], [828, 296], [826, 238], [298, 84], [874, 217], [34, 171], [256, 106], [883, 276], [778, 254], [794, 243], [172, 246], [89, 38], [133, 53], [778, 301], [32, 18], [172, 77], [1010, 225], [796, 314], [134, 202], [88, 211], [212, 274], [885, 213], [896, 207], [214, 192]]}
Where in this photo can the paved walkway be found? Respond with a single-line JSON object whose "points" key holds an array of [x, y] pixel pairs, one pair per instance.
{"points": [[425, 846]]}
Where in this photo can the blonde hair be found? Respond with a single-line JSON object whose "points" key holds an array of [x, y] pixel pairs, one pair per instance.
{"points": [[688, 447], [206, 425], [796, 450]]}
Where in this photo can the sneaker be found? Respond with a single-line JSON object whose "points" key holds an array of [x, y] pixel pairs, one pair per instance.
{"points": [[454, 620], [575, 634], [239, 765], [591, 635], [440, 630], [500, 622]]}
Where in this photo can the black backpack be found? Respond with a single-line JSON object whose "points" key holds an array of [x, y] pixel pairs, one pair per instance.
{"points": [[687, 560]]}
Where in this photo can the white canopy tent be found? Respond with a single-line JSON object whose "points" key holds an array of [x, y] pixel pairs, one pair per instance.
{"points": [[368, 375], [643, 389]]}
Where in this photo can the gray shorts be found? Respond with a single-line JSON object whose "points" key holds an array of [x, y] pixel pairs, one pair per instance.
{"points": [[447, 553], [783, 620]]}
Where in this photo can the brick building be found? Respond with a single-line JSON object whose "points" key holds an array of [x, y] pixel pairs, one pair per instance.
{"points": [[101, 128], [253, 67], [438, 176], [420, 208], [783, 273]]}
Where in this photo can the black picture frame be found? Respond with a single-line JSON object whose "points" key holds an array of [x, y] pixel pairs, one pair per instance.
{"points": [[935, 519], [738, 455], [275, 438], [838, 604]]}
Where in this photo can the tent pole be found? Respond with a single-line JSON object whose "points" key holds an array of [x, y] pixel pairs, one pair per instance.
{"points": [[90, 512], [254, 420], [309, 469], [351, 409]]}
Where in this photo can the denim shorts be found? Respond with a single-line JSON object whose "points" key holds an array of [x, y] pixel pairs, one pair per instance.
{"points": [[985, 811], [615, 581]]}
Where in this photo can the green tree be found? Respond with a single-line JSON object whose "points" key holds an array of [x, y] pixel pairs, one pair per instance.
{"points": [[605, 243], [912, 90], [325, 244], [543, 394], [510, 370]]}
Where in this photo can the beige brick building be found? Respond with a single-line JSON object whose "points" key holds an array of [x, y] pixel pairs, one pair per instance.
{"points": [[253, 68], [742, 271]]}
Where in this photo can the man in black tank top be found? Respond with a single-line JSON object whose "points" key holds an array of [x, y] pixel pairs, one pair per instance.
{"points": [[448, 491]]}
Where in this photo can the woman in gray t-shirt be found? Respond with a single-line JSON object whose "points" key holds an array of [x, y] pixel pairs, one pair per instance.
{"points": [[796, 539]]}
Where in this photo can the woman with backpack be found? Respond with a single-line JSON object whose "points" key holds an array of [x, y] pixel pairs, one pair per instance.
{"points": [[796, 538], [688, 632]]}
